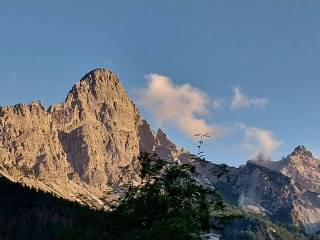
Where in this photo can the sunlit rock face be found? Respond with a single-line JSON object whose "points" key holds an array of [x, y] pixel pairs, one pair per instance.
{"points": [[85, 149], [79, 148]]}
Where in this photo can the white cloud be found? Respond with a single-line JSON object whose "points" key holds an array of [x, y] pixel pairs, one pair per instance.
{"points": [[182, 106], [186, 107], [259, 141], [240, 100]]}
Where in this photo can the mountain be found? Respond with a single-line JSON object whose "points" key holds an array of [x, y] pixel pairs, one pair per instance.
{"points": [[304, 171], [286, 191], [85, 150], [78, 149], [302, 167]]}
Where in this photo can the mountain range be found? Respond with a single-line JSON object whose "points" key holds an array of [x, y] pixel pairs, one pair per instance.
{"points": [[85, 150]]}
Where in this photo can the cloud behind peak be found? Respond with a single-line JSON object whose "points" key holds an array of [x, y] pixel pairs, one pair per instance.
{"points": [[183, 106], [259, 141]]}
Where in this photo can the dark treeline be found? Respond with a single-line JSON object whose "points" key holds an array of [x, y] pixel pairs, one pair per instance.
{"points": [[26, 213], [169, 204]]}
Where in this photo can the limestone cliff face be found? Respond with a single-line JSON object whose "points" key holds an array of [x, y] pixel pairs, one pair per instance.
{"points": [[160, 144], [286, 190], [302, 167], [97, 126], [29, 143], [79, 147], [304, 171]]}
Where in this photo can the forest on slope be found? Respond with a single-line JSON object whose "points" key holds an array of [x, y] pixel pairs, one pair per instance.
{"points": [[170, 203]]}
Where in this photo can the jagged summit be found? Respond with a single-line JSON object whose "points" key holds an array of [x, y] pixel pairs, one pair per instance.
{"points": [[302, 150], [99, 74], [20, 107], [77, 148], [97, 71], [97, 83]]}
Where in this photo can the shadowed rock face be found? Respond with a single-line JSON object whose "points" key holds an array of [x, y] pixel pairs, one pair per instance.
{"points": [[77, 148], [287, 190], [304, 171], [261, 190], [302, 167]]}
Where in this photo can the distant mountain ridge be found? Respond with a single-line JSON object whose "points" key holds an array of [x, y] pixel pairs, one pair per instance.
{"points": [[285, 190], [78, 149], [303, 170]]}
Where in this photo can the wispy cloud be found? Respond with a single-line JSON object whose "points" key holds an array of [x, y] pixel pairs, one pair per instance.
{"points": [[241, 100], [183, 106], [259, 141], [186, 108]]}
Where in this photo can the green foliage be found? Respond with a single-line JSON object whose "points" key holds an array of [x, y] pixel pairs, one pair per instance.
{"points": [[169, 204], [257, 227], [169, 201]]}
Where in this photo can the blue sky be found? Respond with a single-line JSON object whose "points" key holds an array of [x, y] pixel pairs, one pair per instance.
{"points": [[266, 49]]}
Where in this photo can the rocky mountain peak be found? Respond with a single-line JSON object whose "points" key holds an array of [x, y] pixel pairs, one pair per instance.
{"points": [[162, 137], [100, 78], [97, 73], [301, 150], [97, 85], [78, 149]]}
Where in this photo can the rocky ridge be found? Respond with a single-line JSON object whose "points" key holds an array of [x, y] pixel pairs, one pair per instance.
{"points": [[285, 190], [78, 148], [304, 171]]}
